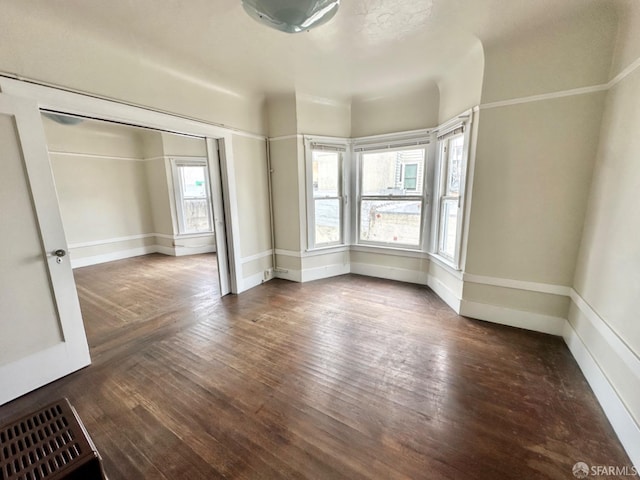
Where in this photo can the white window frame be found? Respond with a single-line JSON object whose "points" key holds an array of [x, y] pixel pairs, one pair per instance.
{"points": [[176, 163], [341, 146], [460, 125], [412, 140]]}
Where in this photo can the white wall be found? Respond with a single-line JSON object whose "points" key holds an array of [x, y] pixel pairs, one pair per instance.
{"points": [[55, 50], [101, 181], [409, 109], [533, 166], [319, 116], [461, 87], [115, 190], [562, 55], [250, 165], [608, 274]]}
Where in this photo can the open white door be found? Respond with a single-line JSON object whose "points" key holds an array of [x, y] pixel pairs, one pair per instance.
{"points": [[42, 336], [219, 227]]}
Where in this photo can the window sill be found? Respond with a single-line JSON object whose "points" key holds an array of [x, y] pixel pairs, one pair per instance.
{"points": [[446, 264], [399, 252], [193, 235], [312, 252]]}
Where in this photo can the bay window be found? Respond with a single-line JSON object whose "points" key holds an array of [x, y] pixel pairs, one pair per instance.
{"points": [[392, 194], [325, 198], [452, 154]]}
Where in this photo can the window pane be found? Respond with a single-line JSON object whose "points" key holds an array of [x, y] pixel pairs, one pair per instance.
{"points": [[327, 221], [325, 174], [449, 227], [382, 172], [410, 176], [391, 221], [193, 181], [196, 216], [454, 161]]}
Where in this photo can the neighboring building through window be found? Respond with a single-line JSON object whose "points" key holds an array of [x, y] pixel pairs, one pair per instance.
{"points": [[193, 197], [392, 197]]}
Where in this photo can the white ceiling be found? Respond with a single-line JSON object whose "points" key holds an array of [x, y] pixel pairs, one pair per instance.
{"points": [[371, 46]]}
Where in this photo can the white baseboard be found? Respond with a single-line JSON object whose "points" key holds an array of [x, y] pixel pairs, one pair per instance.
{"points": [[444, 292], [390, 273], [170, 251], [38, 369], [512, 317], [110, 257], [318, 273], [289, 274], [182, 251], [620, 418], [252, 281], [136, 252]]}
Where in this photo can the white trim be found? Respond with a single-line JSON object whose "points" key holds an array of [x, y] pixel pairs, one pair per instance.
{"points": [[397, 252], [285, 137], [185, 236], [619, 417], [518, 284], [442, 263], [178, 162], [288, 253], [38, 369], [257, 256], [617, 344], [390, 273], [252, 281], [512, 317], [110, 257], [69, 102], [176, 251], [95, 155], [169, 251], [32, 85], [326, 271], [545, 96], [108, 241], [463, 119], [288, 274], [184, 250], [172, 237], [445, 293], [624, 73], [395, 137], [325, 250]]}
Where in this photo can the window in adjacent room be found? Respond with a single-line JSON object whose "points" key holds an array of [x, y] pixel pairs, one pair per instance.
{"points": [[392, 196], [325, 194], [193, 197]]}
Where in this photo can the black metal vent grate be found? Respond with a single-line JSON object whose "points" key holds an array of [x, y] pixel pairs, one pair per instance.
{"points": [[44, 445]]}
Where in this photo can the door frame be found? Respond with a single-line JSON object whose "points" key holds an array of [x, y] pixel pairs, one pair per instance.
{"points": [[71, 103]]}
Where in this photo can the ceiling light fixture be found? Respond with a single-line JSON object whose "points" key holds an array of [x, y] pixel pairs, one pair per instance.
{"points": [[291, 16]]}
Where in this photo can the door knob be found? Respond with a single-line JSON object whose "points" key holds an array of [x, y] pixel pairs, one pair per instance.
{"points": [[60, 253]]}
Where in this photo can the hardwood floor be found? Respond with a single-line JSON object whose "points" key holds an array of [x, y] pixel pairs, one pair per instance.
{"points": [[344, 378]]}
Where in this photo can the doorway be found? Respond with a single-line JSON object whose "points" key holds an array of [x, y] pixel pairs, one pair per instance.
{"points": [[125, 192]]}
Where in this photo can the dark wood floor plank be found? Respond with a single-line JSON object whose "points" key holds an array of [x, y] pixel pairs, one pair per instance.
{"points": [[343, 378]]}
